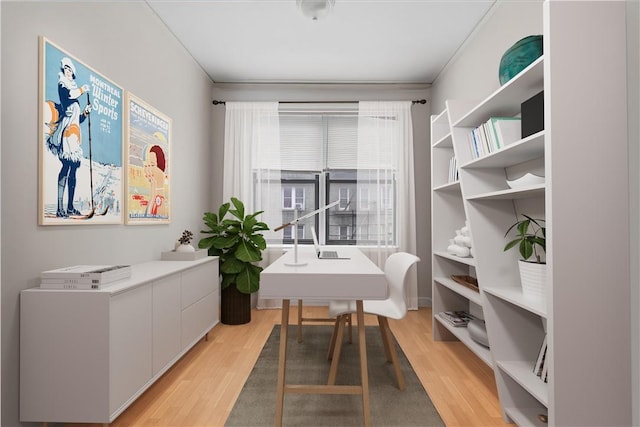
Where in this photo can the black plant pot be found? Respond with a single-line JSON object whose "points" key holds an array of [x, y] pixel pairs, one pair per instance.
{"points": [[235, 306]]}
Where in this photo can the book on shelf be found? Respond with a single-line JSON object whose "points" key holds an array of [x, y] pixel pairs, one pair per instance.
{"points": [[537, 368], [545, 367], [493, 135], [507, 129], [456, 318], [85, 275], [453, 169]]}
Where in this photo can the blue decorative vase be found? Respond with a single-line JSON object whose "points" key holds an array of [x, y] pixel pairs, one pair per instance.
{"points": [[519, 56]]}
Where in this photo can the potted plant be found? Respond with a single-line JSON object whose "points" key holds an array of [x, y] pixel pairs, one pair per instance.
{"points": [[183, 244], [239, 244], [531, 240]]}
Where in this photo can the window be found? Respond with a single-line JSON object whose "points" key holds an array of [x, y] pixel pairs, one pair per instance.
{"points": [[345, 233], [319, 162], [287, 232], [293, 198], [343, 197], [363, 199]]}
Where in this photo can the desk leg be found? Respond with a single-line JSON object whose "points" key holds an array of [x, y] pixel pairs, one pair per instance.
{"points": [[363, 364], [282, 362]]}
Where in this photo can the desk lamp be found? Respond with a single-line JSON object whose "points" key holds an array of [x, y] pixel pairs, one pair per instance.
{"points": [[294, 223]]}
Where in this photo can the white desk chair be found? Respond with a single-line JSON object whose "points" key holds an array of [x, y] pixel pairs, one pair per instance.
{"points": [[394, 307]]}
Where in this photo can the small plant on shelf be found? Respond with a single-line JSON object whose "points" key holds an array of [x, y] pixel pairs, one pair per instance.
{"points": [[531, 239], [186, 237]]}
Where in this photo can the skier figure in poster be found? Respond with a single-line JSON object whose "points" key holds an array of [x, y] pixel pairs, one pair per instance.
{"points": [[69, 138]]}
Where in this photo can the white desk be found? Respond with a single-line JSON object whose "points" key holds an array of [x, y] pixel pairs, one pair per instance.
{"points": [[357, 278]]}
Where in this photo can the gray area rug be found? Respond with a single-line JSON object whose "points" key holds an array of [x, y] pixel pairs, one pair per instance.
{"points": [[307, 363]]}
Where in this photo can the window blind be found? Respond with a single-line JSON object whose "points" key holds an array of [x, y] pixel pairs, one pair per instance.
{"points": [[314, 142]]}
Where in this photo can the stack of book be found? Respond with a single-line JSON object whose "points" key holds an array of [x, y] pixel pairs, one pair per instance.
{"points": [[456, 318], [453, 169], [84, 276], [493, 135], [541, 368]]}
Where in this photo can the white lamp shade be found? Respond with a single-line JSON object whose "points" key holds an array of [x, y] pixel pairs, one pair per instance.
{"points": [[315, 9]]}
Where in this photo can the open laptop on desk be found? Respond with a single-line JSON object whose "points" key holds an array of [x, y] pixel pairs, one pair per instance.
{"points": [[324, 254]]}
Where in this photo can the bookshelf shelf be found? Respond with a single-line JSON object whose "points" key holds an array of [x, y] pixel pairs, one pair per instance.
{"points": [[511, 194], [528, 148], [468, 293], [444, 142], [521, 372], [506, 100], [525, 416], [462, 334], [515, 296], [468, 260], [583, 154], [449, 187]]}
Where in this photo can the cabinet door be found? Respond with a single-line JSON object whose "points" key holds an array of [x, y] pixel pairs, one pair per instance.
{"points": [[200, 301], [64, 356], [130, 344], [166, 321]]}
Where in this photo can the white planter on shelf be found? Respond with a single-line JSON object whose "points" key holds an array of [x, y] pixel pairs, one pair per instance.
{"points": [[185, 248], [533, 277]]}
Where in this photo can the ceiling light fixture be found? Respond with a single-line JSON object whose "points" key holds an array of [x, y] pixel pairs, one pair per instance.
{"points": [[315, 9]]}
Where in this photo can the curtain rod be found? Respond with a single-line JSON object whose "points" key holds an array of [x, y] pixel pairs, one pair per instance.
{"points": [[418, 101]]}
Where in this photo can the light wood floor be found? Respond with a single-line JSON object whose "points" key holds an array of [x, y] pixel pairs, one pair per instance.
{"points": [[201, 388]]}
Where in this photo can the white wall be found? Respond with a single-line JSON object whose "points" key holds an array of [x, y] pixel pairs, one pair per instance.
{"points": [[126, 42], [353, 92], [472, 74]]}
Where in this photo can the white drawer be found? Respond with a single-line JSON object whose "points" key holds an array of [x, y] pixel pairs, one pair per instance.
{"points": [[199, 282]]}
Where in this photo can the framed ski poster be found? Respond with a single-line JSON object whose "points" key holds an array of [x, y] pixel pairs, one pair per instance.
{"points": [[80, 144], [148, 164]]}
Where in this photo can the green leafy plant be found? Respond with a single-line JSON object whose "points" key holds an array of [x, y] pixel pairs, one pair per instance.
{"points": [[239, 244], [531, 238]]}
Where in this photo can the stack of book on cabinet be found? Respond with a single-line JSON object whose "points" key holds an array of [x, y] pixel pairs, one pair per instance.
{"points": [[84, 276], [456, 318], [493, 135]]}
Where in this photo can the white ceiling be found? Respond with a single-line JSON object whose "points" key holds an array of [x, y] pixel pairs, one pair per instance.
{"points": [[361, 41]]}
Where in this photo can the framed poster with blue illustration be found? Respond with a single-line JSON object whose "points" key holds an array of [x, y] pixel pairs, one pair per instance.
{"points": [[148, 164], [80, 144]]}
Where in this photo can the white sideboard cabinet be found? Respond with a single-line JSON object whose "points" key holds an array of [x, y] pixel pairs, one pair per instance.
{"points": [[86, 355]]}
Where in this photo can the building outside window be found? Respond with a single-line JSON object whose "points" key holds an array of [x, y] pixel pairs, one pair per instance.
{"points": [[319, 166], [293, 198]]}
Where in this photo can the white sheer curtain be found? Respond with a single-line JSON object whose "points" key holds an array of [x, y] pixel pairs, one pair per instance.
{"points": [[386, 181], [252, 155]]}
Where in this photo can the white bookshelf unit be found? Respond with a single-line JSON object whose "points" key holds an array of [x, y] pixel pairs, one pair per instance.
{"points": [[582, 154], [86, 355]]}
